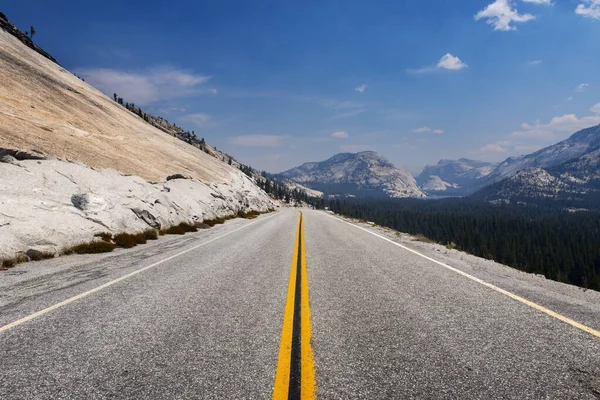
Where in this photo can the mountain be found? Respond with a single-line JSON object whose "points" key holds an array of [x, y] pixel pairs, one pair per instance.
{"points": [[566, 174], [454, 177], [465, 177], [578, 144], [361, 174]]}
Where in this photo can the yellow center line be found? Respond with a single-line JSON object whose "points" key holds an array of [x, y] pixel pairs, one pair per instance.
{"points": [[281, 389]]}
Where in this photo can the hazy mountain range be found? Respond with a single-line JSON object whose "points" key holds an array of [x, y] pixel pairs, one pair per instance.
{"points": [[567, 171]]}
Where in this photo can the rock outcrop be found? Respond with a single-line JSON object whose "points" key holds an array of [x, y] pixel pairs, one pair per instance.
{"points": [[48, 205]]}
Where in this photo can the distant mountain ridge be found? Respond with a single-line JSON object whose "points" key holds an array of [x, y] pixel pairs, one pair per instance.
{"points": [[454, 177], [362, 174], [567, 173], [466, 177]]}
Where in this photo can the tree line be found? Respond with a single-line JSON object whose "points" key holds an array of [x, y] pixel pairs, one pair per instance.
{"points": [[561, 245]]}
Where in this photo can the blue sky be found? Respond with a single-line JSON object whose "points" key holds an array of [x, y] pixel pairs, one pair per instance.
{"points": [[278, 83]]}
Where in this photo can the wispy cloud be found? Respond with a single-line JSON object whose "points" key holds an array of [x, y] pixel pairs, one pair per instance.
{"points": [[448, 62], [582, 87], [589, 9], [198, 119], [340, 135], [557, 127], [427, 129], [543, 2], [258, 140], [534, 63], [361, 88], [595, 108], [145, 87], [492, 148], [502, 15]]}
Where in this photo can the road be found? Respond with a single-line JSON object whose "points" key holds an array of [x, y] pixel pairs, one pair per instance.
{"points": [[273, 307]]}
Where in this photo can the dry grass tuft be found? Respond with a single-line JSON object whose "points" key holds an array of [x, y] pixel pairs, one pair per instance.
{"points": [[91, 248], [421, 238], [150, 234], [106, 236]]}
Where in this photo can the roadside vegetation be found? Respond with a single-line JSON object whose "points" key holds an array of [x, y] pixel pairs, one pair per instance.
{"points": [[106, 242]]}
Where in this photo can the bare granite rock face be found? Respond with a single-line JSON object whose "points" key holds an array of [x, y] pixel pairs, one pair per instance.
{"points": [[48, 205]]}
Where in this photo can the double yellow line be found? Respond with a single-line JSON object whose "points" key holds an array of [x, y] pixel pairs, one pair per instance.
{"points": [[295, 376]]}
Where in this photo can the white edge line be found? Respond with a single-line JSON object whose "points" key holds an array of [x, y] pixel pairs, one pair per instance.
{"points": [[107, 284], [531, 304]]}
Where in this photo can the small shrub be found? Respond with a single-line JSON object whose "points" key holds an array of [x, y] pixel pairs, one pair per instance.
{"points": [[67, 252], [249, 215], [9, 263], [106, 236], [188, 227], [91, 248], [174, 230], [40, 255], [125, 240], [150, 234], [451, 245], [213, 222], [140, 238]]}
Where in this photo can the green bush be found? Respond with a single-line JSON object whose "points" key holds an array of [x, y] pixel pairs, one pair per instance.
{"points": [[91, 248]]}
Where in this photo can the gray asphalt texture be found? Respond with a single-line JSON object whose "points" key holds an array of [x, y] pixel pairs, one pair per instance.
{"points": [[387, 324]]}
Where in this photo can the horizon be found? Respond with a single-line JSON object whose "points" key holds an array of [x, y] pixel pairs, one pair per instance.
{"points": [[278, 85]]}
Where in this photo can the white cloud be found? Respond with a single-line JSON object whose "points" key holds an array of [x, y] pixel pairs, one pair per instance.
{"points": [[534, 63], [198, 119], [257, 140], [544, 2], [557, 127], [422, 130], [589, 8], [339, 135], [427, 129], [502, 15], [450, 62], [595, 109], [361, 88], [492, 148], [144, 87], [570, 98], [582, 87]]}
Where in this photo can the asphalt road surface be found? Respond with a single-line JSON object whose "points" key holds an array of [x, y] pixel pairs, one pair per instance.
{"points": [[272, 307]]}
